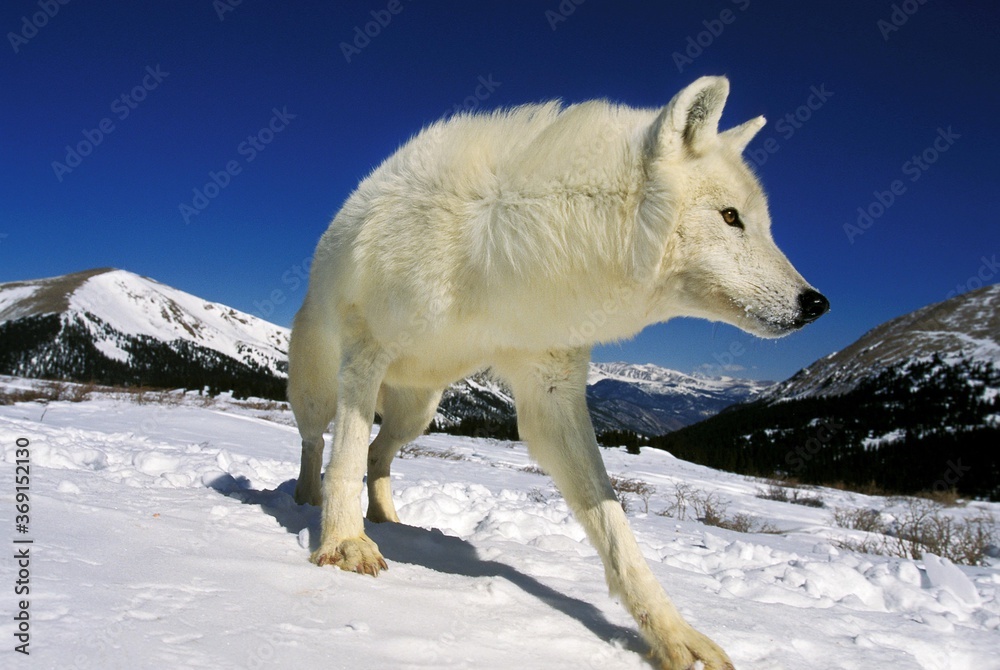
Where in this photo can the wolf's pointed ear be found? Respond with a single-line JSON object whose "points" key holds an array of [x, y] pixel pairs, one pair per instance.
{"points": [[691, 120], [739, 137]]}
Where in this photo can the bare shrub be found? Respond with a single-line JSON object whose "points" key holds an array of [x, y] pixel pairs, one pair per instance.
{"points": [[778, 492], [143, 395], [946, 497], [50, 392], [712, 510], [741, 522], [417, 451], [691, 503], [800, 498], [78, 392], [867, 520], [264, 405], [623, 485], [773, 492], [27, 395], [536, 495], [922, 527]]}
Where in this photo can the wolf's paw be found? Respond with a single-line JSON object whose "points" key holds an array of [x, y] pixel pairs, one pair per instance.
{"points": [[358, 554], [681, 652]]}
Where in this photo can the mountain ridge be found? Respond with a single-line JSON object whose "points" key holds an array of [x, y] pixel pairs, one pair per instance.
{"points": [[117, 327], [966, 326]]}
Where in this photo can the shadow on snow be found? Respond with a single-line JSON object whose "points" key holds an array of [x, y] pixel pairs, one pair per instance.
{"points": [[430, 549]]}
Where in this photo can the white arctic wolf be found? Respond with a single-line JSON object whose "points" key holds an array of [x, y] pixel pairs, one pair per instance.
{"points": [[517, 240]]}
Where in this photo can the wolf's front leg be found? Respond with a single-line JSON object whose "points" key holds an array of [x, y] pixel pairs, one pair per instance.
{"points": [[343, 542], [550, 394]]}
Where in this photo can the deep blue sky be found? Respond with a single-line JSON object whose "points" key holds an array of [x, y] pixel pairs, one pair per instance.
{"points": [[220, 80]]}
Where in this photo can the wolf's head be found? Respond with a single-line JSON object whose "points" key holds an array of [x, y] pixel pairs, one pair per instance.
{"points": [[720, 261]]}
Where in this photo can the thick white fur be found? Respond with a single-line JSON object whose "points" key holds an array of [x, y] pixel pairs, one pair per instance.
{"points": [[517, 240]]}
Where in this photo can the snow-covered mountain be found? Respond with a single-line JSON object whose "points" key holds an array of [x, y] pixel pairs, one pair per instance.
{"points": [[900, 409], [114, 326], [118, 327], [963, 328], [651, 400], [645, 399]]}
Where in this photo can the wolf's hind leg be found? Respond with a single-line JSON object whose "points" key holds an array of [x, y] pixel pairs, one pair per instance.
{"points": [[313, 358], [405, 414], [343, 542]]}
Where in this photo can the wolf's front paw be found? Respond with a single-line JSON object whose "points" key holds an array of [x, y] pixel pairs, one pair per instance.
{"points": [[358, 554], [681, 652]]}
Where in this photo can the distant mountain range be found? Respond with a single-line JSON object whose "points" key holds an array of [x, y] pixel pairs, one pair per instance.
{"points": [[644, 399], [651, 400], [117, 327]]}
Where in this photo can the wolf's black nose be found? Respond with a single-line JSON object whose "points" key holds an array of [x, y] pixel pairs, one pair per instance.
{"points": [[812, 305]]}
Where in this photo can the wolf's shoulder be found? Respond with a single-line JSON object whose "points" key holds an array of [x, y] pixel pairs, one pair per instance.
{"points": [[527, 144]]}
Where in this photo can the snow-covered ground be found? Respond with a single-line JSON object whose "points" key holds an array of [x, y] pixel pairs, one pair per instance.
{"points": [[165, 536]]}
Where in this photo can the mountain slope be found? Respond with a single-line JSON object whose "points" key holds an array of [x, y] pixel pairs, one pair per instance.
{"points": [[114, 326], [966, 327], [914, 405]]}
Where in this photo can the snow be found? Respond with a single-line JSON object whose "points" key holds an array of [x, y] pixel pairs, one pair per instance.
{"points": [[165, 535], [943, 573], [663, 380], [892, 436], [12, 299], [139, 306]]}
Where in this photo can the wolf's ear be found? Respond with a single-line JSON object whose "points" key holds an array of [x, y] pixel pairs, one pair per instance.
{"points": [[691, 120], [737, 139]]}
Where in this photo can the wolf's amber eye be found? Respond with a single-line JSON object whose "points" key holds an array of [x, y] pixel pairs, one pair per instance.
{"points": [[732, 217]]}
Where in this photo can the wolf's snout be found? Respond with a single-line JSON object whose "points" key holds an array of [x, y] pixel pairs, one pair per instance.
{"points": [[812, 305]]}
